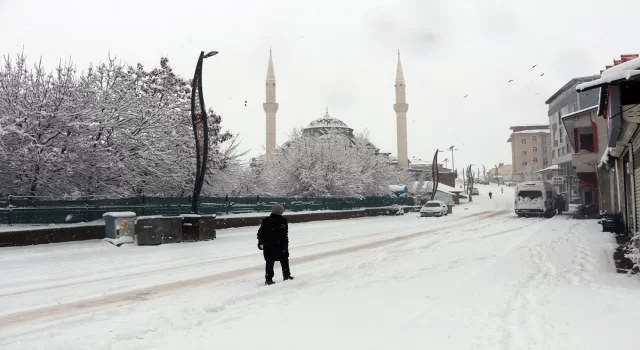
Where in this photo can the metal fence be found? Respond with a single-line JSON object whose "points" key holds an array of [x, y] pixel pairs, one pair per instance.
{"points": [[33, 210]]}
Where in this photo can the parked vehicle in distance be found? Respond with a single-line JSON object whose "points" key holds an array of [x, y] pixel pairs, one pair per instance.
{"points": [[535, 198], [434, 208], [475, 191]]}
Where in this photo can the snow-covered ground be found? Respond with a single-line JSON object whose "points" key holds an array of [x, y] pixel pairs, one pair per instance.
{"points": [[478, 279]]}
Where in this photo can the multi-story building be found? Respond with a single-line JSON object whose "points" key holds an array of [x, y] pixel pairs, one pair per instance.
{"points": [[501, 173], [619, 107], [566, 101], [530, 151], [588, 136]]}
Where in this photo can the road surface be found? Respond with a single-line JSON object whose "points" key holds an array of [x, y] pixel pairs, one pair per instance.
{"points": [[480, 278]]}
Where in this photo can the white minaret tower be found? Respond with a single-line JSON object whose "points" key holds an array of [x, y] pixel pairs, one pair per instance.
{"points": [[401, 107], [270, 108]]}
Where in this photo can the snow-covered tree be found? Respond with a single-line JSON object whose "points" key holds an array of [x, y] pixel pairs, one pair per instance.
{"points": [[113, 130], [329, 165], [39, 114]]}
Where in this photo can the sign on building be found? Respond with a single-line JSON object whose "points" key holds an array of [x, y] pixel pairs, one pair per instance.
{"points": [[557, 180]]}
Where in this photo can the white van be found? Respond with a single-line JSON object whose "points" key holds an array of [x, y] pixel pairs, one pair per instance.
{"points": [[534, 198]]}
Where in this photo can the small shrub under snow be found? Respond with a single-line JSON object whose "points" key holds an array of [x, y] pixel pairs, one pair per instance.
{"points": [[633, 253]]}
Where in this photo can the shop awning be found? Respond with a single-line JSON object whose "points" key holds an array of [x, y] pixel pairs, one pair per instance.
{"points": [[553, 167]]}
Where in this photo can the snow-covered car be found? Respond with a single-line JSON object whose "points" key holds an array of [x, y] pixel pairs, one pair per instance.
{"points": [[474, 191], [434, 208]]}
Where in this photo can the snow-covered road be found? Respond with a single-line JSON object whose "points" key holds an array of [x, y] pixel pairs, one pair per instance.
{"points": [[481, 278]]}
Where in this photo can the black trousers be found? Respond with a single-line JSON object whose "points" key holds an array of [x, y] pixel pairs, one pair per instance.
{"points": [[284, 263]]}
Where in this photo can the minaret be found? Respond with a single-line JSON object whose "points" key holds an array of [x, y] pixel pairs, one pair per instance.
{"points": [[401, 107], [270, 108]]}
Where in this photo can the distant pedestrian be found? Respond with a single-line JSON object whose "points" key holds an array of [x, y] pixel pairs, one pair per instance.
{"points": [[502, 189], [490, 195], [273, 240]]}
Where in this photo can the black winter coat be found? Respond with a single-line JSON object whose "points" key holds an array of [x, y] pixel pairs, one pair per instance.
{"points": [[274, 236]]}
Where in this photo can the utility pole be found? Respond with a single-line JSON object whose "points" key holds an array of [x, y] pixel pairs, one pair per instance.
{"points": [[464, 181]]}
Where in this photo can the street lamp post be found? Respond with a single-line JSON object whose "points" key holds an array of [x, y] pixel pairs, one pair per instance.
{"points": [[200, 129], [453, 165], [435, 174], [470, 181]]}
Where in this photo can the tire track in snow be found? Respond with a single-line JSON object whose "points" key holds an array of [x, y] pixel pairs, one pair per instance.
{"points": [[84, 306], [481, 214], [471, 274]]}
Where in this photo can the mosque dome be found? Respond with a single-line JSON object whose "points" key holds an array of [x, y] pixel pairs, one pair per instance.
{"points": [[328, 124]]}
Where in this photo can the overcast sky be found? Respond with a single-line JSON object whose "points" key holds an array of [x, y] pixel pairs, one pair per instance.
{"points": [[342, 53]]}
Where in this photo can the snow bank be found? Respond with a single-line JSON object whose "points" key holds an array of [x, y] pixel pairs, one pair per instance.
{"points": [[120, 241], [634, 255]]}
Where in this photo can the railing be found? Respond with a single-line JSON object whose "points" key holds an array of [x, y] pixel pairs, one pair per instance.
{"points": [[31, 210]]}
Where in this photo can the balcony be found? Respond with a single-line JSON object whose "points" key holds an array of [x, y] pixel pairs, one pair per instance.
{"points": [[584, 161]]}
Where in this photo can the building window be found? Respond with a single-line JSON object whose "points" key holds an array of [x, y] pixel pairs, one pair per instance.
{"points": [[561, 135], [524, 163], [545, 161], [535, 149], [553, 153], [535, 159], [534, 138], [562, 150], [544, 139], [586, 142], [544, 150], [523, 141], [524, 153]]}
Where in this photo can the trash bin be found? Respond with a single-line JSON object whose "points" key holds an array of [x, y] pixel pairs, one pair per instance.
{"points": [[155, 230], [118, 224], [197, 227]]}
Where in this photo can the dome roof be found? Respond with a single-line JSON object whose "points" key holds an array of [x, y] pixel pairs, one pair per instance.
{"points": [[327, 122]]}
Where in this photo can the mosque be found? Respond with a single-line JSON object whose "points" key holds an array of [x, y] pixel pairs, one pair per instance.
{"points": [[328, 124]]}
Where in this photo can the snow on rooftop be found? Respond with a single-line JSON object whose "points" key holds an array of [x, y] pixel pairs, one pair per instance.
{"points": [[570, 115], [119, 214], [529, 126], [441, 187], [623, 71], [553, 167], [538, 131]]}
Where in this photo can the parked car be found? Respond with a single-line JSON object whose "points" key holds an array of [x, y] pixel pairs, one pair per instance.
{"points": [[474, 191], [434, 208]]}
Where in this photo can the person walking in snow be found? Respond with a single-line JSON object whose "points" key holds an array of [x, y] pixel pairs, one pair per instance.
{"points": [[490, 194], [502, 189], [273, 240]]}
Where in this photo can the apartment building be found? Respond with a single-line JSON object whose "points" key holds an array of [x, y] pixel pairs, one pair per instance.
{"points": [[530, 151]]}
